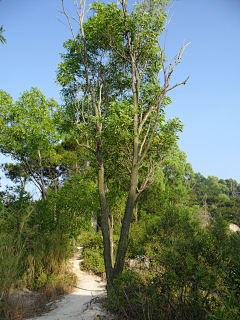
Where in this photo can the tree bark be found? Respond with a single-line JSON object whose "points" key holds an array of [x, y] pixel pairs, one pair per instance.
{"points": [[104, 222], [123, 241], [136, 212], [110, 228]]}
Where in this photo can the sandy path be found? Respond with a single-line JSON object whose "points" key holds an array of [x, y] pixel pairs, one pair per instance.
{"points": [[73, 306]]}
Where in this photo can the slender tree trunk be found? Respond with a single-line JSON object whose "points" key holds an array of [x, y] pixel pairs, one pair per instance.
{"points": [[132, 193], [110, 227], [123, 241], [105, 217], [41, 176], [55, 185], [136, 212]]}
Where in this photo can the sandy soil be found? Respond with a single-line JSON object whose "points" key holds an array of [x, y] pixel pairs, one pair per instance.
{"points": [[80, 304]]}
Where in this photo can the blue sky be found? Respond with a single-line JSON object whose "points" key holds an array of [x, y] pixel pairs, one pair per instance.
{"points": [[208, 105]]}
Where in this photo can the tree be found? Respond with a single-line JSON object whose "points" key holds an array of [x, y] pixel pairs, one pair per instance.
{"points": [[29, 136], [110, 79]]}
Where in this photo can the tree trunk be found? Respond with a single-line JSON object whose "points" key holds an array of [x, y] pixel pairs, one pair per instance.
{"points": [[105, 217], [123, 241], [136, 212], [110, 227]]}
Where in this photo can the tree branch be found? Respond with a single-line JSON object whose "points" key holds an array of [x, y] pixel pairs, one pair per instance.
{"points": [[85, 146], [178, 84], [32, 176]]}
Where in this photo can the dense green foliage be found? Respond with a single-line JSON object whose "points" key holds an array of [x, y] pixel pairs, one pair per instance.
{"points": [[194, 271], [36, 242], [217, 196]]}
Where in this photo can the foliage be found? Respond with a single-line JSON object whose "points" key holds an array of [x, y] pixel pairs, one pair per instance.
{"points": [[70, 210], [35, 255], [10, 253], [193, 273], [216, 196], [109, 151], [28, 135], [2, 39], [93, 252]]}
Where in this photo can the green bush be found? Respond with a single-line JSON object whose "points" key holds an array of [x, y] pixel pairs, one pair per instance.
{"points": [[93, 260], [93, 252]]}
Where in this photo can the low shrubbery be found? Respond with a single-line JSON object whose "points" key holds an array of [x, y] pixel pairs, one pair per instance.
{"points": [[194, 271], [93, 252]]}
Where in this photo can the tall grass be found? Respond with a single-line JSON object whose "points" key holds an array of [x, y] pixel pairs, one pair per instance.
{"points": [[32, 257], [40, 267], [10, 253]]}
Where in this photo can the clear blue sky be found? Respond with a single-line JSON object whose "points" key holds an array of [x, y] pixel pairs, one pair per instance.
{"points": [[208, 105]]}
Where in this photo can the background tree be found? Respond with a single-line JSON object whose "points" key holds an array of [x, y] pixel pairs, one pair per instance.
{"points": [[218, 197], [28, 135]]}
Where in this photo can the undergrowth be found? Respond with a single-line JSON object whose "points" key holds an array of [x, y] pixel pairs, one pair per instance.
{"points": [[33, 261], [194, 271], [93, 252]]}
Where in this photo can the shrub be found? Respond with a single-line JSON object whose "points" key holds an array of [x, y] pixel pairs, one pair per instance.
{"points": [[93, 252]]}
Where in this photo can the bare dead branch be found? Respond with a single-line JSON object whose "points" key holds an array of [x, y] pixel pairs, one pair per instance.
{"points": [[153, 129], [61, 21], [177, 59], [81, 6], [178, 84], [70, 27]]}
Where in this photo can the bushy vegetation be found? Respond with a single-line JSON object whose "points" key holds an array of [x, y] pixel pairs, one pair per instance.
{"points": [[93, 252], [194, 270], [34, 253], [216, 196]]}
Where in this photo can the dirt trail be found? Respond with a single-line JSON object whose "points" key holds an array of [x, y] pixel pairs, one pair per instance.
{"points": [[77, 305]]}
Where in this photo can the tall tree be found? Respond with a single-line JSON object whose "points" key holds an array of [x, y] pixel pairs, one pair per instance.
{"points": [[114, 65]]}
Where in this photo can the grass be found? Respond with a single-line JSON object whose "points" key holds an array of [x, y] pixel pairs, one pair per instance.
{"points": [[29, 279]]}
